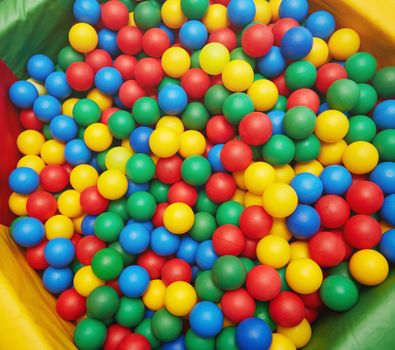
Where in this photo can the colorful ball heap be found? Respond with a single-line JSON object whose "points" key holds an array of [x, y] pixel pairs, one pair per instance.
{"points": [[192, 172]]}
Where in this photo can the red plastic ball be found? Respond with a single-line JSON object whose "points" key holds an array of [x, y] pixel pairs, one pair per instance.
{"points": [[365, 197], [125, 65], [75, 239], [225, 36], [220, 187], [255, 128], [228, 240], [29, 120], [183, 192], [255, 222], [219, 130], [327, 74], [168, 170], [152, 262], [87, 247], [257, 40], [107, 113], [129, 92], [222, 2], [115, 334], [176, 270], [115, 285], [70, 305], [54, 178], [157, 218], [327, 249], [41, 205], [130, 40], [287, 309], [195, 82], [263, 283], [281, 85], [304, 97], [148, 72], [310, 314], [349, 249], [362, 232], [216, 79], [281, 27], [114, 14], [333, 211], [92, 202], [35, 256], [249, 250], [237, 305], [155, 42], [134, 341], [80, 76], [236, 155], [312, 300], [98, 59]]}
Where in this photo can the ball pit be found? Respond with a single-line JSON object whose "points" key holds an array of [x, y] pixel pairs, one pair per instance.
{"points": [[198, 177]]}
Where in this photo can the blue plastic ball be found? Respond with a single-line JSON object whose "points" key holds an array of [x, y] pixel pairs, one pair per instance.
{"points": [[187, 249], [169, 33], [57, 280], [56, 85], [296, 9], [59, 252], [384, 114], [384, 176], [149, 226], [272, 64], [323, 107], [118, 103], [46, 107], [321, 24], [304, 222], [108, 80], [253, 334], [39, 67], [23, 94], [241, 12], [133, 187], [134, 238], [178, 344], [139, 139], [276, 117], [107, 40], [206, 255], [214, 158], [63, 128], [193, 35], [163, 242], [77, 152], [387, 245], [87, 11], [88, 224], [336, 179], [172, 99], [28, 232], [23, 180], [387, 211], [296, 43], [133, 281], [308, 187], [206, 319]]}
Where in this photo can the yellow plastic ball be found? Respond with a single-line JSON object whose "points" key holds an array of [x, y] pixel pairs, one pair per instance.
{"points": [[112, 184], [126, 144], [368, 267], [237, 76], [29, 142], [98, 137], [360, 157], [238, 196], [83, 37], [132, 23], [192, 143], [69, 204], [78, 222], [284, 173], [273, 251], [332, 153], [238, 176], [312, 166], [39, 87], [275, 7], [251, 199], [264, 94], [385, 226], [52, 152], [263, 12], [319, 53], [213, 58], [258, 176], [175, 62], [172, 15], [280, 200], [331, 126], [83, 176], [164, 142], [68, 105], [343, 43], [304, 275], [85, 281], [299, 250], [300, 335], [116, 158], [216, 17], [31, 161], [154, 297], [103, 101], [17, 203], [178, 218], [180, 298], [281, 342], [280, 228], [171, 122], [59, 226]]}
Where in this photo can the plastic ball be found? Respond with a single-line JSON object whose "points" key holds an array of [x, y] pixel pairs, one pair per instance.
{"points": [[180, 298], [255, 128], [57, 280], [163, 242], [300, 335], [63, 128], [147, 15], [264, 94], [299, 122], [343, 43], [281, 342], [382, 82], [327, 249], [343, 95], [321, 24], [178, 218], [253, 334], [165, 326], [274, 251], [254, 34], [39, 67], [304, 222], [296, 43], [90, 333], [331, 126], [384, 142], [70, 305], [279, 200], [114, 15], [108, 80], [213, 57], [216, 17], [134, 341], [237, 305], [365, 197], [287, 309], [387, 209], [333, 210], [134, 238], [46, 107], [304, 97], [387, 244], [133, 281], [304, 276], [296, 9], [237, 75], [206, 319], [360, 157], [308, 187], [175, 62], [263, 283], [83, 37], [172, 99], [59, 252], [23, 94], [383, 176], [194, 9], [23, 180], [193, 35], [112, 184], [28, 232], [155, 42], [228, 240]]}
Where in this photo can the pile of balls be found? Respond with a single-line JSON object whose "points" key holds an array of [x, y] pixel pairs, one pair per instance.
{"points": [[205, 174]]}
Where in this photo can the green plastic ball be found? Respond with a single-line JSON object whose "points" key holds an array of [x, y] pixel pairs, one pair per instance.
{"points": [[128, 259], [121, 124], [248, 263], [279, 150], [237, 106], [341, 269], [195, 62], [239, 54], [281, 104], [48, 135], [67, 56], [145, 329], [86, 112], [258, 76], [206, 288], [195, 116], [384, 141], [130, 312], [284, 284], [229, 213], [76, 265], [102, 303], [215, 97], [165, 326], [307, 149], [194, 9], [130, 4], [168, 81], [367, 99], [226, 340], [195, 170], [108, 226], [140, 168], [159, 190], [262, 312], [101, 159], [195, 342], [339, 293], [146, 110], [107, 264], [300, 74], [229, 272], [204, 203], [343, 95], [119, 206], [362, 128], [147, 15], [384, 82], [90, 334], [361, 67], [203, 226], [141, 206], [299, 122]]}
